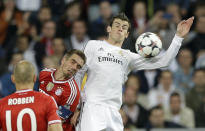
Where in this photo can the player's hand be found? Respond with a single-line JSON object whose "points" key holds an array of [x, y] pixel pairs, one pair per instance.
{"points": [[74, 118], [184, 26]]}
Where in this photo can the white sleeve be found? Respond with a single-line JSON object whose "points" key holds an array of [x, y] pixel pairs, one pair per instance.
{"points": [[141, 63], [89, 48], [80, 75]]}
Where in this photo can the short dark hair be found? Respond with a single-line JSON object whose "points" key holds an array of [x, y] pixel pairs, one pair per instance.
{"points": [[174, 94], [77, 52], [122, 17], [157, 107]]}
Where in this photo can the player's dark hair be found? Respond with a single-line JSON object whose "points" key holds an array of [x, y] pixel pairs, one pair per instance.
{"points": [[122, 17], [77, 52]]}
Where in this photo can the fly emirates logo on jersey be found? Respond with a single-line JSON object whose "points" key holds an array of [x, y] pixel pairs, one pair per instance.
{"points": [[110, 58]]}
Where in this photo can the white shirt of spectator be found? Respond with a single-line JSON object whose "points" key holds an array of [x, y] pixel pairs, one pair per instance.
{"points": [[28, 5]]}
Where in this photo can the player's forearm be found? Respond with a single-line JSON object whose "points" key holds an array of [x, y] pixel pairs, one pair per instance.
{"points": [[172, 51], [55, 127]]}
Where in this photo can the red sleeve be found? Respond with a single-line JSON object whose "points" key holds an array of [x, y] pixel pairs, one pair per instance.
{"points": [[42, 73], [52, 115]]}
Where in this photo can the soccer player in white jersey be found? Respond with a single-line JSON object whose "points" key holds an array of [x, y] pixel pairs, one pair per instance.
{"points": [[108, 66]]}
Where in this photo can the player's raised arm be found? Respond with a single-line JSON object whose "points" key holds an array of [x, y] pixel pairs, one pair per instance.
{"points": [[184, 26], [163, 61]]}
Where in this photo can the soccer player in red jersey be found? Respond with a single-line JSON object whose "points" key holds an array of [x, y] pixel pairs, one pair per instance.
{"points": [[27, 109], [61, 84]]}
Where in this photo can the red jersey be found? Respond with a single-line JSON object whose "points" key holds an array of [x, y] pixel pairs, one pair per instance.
{"points": [[21, 111], [64, 92]]}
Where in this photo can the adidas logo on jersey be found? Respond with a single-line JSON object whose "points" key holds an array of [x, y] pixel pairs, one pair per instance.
{"points": [[101, 49]]}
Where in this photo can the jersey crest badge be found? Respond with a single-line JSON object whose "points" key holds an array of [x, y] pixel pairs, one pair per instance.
{"points": [[59, 91], [50, 86], [121, 53]]}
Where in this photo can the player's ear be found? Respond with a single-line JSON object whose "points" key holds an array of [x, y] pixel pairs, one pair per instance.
{"points": [[62, 60], [127, 34], [108, 29], [13, 79]]}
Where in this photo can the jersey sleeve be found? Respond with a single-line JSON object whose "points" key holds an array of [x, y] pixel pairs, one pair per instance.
{"points": [[52, 115], [41, 77], [80, 75], [141, 63], [89, 48]]}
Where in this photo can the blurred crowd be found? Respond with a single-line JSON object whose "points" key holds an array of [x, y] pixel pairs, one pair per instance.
{"points": [[41, 31]]}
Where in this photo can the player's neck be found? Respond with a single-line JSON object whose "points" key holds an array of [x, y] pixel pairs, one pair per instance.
{"points": [[59, 75], [24, 86], [114, 43]]}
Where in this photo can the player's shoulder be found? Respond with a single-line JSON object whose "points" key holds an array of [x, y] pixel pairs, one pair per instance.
{"points": [[46, 71], [127, 52], [41, 95], [4, 100], [94, 42]]}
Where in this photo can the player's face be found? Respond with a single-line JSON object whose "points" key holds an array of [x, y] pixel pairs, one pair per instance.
{"points": [[119, 30], [71, 65]]}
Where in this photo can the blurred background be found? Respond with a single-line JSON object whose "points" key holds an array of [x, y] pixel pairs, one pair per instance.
{"points": [[41, 31]]}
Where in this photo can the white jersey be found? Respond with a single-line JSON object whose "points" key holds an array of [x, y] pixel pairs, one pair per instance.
{"points": [[108, 67]]}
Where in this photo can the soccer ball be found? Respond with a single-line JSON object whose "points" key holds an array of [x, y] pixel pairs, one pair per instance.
{"points": [[148, 45]]}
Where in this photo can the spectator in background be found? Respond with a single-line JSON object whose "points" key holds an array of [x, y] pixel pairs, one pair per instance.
{"points": [[160, 95], [149, 78], [57, 7], [50, 62], [58, 47], [134, 83], [178, 113], [198, 41], [28, 5], [183, 4], [6, 85], [157, 120], [22, 45], [139, 20], [183, 75], [135, 112], [10, 19], [200, 60], [199, 9], [78, 38], [43, 15], [98, 27], [195, 97], [44, 46], [73, 12], [174, 10], [127, 125]]}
